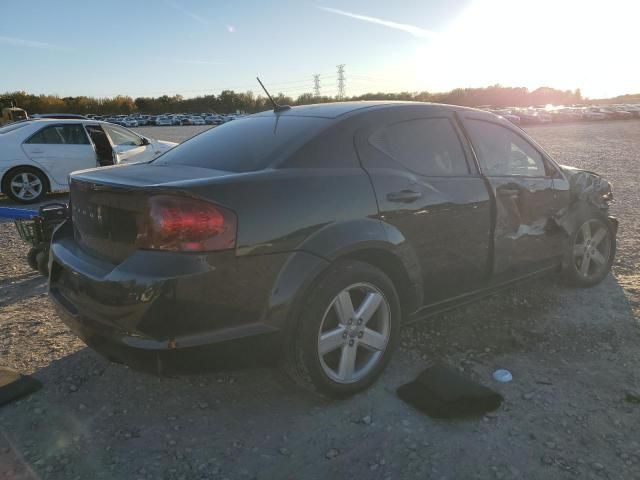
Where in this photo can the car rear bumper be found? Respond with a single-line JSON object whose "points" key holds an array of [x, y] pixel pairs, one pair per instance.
{"points": [[156, 309], [164, 356]]}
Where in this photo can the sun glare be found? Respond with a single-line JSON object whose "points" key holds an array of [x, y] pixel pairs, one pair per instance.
{"points": [[561, 44]]}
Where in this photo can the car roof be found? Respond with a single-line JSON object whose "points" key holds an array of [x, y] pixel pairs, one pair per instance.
{"points": [[340, 109], [60, 116], [58, 120], [33, 122]]}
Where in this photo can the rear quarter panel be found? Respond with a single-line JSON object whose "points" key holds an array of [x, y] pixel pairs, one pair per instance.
{"points": [[288, 209], [12, 155]]}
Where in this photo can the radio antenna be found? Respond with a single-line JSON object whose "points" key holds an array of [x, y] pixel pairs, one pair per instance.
{"points": [[276, 108]]}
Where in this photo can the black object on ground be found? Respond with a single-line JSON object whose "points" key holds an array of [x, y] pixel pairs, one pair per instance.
{"points": [[14, 385], [442, 392]]}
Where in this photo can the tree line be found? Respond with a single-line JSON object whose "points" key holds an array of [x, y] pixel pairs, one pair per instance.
{"points": [[229, 101]]}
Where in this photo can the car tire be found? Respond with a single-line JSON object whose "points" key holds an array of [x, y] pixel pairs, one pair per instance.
{"points": [[590, 250], [42, 261], [341, 343], [34, 178], [31, 258]]}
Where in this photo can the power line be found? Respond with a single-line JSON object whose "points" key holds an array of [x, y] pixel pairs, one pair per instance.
{"points": [[368, 77], [210, 90], [306, 89], [341, 81], [287, 86]]}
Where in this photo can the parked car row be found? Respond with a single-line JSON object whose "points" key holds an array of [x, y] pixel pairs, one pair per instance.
{"points": [[517, 115], [562, 113], [166, 119]]}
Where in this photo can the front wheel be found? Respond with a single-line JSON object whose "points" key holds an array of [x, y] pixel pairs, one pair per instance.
{"points": [[591, 251], [346, 331]]}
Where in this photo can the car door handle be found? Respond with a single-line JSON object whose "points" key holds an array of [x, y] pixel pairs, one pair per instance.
{"points": [[404, 196], [37, 151]]}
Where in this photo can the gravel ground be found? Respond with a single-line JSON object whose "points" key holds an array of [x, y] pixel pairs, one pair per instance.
{"points": [[571, 411]]}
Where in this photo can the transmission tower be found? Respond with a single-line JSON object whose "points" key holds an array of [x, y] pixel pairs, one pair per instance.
{"points": [[341, 82], [316, 84]]}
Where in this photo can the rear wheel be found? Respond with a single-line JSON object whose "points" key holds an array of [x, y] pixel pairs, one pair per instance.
{"points": [[346, 332], [591, 251], [25, 185]]}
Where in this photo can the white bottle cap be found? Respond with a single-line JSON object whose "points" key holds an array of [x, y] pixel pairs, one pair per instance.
{"points": [[503, 376]]}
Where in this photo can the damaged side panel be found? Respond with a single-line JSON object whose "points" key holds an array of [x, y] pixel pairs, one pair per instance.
{"points": [[536, 216], [536, 203], [525, 238]]}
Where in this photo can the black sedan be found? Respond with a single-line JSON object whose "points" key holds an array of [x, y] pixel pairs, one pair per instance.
{"points": [[314, 233]]}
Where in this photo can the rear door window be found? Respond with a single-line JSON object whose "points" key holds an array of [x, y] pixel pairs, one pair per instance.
{"points": [[245, 145], [426, 146], [60, 135]]}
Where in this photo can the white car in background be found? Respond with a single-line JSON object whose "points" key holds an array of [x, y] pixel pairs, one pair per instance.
{"points": [[142, 120], [163, 121], [118, 120], [37, 156], [515, 119], [593, 114], [129, 122], [213, 119], [634, 109], [197, 120]]}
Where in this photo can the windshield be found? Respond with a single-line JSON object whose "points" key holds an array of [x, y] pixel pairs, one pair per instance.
{"points": [[244, 145]]}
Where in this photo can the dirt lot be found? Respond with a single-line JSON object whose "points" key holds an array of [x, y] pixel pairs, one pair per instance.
{"points": [[572, 410]]}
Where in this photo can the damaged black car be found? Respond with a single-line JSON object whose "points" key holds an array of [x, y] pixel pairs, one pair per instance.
{"points": [[312, 234]]}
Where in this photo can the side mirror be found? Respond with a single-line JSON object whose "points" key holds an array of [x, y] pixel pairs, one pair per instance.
{"points": [[145, 141]]}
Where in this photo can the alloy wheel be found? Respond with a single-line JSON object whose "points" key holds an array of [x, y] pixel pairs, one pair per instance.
{"points": [[354, 333], [26, 186], [592, 249]]}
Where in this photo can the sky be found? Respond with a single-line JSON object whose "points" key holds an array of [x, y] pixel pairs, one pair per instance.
{"points": [[196, 47]]}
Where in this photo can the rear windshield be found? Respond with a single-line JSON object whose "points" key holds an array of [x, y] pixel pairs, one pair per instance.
{"points": [[245, 145], [13, 126]]}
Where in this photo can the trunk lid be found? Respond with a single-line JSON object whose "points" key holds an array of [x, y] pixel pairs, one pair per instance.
{"points": [[108, 204]]}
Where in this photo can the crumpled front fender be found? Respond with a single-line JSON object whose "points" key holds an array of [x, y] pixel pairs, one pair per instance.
{"points": [[588, 186]]}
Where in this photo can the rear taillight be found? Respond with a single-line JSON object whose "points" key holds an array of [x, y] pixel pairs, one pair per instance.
{"points": [[186, 224]]}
